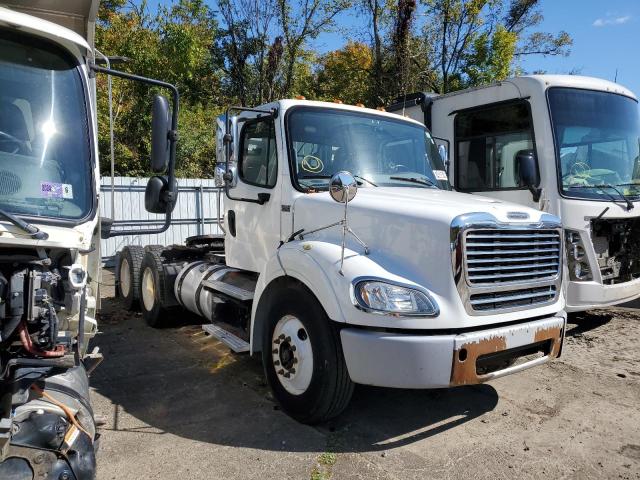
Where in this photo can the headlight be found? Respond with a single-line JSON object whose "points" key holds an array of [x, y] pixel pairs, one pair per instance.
{"points": [[388, 298], [577, 257]]}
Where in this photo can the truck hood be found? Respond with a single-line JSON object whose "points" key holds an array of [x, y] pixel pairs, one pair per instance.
{"points": [[398, 205], [409, 237]]}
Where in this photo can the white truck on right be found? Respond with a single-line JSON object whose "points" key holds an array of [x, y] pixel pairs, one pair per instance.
{"points": [[563, 144]]}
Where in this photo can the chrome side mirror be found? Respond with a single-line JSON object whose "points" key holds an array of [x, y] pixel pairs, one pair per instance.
{"points": [[343, 187], [218, 175], [442, 150]]}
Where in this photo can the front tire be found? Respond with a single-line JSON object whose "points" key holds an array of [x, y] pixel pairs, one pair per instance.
{"points": [[302, 358]]}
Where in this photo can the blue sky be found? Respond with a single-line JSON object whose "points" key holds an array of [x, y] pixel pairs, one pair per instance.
{"points": [[606, 37]]}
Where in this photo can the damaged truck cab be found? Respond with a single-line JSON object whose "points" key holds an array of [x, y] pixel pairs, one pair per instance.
{"points": [[50, 232], [49, 242], [563, 144], [344, 261]]}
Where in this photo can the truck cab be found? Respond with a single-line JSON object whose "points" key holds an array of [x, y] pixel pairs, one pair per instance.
{"points": [[348, 263], [50, 232], [563, 144]]}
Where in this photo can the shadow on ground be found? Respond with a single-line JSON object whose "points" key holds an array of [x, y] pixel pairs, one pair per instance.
{"points": [[179, 381], [581, 322]]}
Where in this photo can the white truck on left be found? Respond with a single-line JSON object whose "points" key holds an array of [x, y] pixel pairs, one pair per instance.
{"points": [[50, 233]]}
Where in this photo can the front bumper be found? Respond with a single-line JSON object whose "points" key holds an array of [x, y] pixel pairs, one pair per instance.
{"points": [[586, 295], [400, 360]]}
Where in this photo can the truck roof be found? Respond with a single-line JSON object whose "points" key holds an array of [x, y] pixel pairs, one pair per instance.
{"points": [[543, 81], [71, 21], [289, 103], [576, 81]]}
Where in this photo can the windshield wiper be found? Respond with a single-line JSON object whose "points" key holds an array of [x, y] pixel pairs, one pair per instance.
{"points": [[32, 230], [366, 180], [613, 187], [630, 184], [419, 181], [323, 177]]}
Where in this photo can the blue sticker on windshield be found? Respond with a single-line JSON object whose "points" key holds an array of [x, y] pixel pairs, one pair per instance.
{"points": [[56, 190]]}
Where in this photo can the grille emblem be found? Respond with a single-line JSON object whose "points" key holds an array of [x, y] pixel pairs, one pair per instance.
{"points": [[517, 215]]}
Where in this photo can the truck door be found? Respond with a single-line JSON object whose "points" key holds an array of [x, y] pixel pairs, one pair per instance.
{"points": [[253, 228], [486, 142]]}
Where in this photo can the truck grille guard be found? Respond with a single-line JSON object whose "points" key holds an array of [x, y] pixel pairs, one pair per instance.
{"points": [[506, 267]]}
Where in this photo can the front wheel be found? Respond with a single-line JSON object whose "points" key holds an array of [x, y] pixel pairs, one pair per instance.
{"points": [[303, 360]]}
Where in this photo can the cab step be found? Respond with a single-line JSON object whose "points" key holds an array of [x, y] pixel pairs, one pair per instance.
{"points": [[232, 291], [231, 340]]}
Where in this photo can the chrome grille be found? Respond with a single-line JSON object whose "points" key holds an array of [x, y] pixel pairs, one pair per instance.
{"points": [[512, 298], [499, 257]]}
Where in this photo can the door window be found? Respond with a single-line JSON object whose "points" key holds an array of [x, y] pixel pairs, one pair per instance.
{"points": [[487, 142], [258, 162]]}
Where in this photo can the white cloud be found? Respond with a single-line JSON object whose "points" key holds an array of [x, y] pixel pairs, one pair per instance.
{"points": [[611, 20]]}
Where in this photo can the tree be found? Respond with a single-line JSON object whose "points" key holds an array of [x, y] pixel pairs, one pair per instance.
{"points": [[244, 46], [466, 32], [375, 10], [255, 51], [345, 74], [301, 24], [401, 46], [175, 45]]}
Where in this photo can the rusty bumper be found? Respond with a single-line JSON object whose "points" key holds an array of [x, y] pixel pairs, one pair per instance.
{"points": [[407, 360], [481, 356]]}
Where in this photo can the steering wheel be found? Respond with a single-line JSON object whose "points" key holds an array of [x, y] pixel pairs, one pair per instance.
{"points": [[579, 168], [7, 137], [311, 164]]}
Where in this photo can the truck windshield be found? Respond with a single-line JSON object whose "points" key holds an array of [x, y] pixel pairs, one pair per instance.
{"points": [[378, 151], [597, 138], [44, 144]]}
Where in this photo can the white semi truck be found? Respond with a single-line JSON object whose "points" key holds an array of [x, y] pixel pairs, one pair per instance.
{"points": [[50, 233], [563, 144], [403, 285]]}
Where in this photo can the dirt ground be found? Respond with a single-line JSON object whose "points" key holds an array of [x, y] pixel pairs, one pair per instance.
{"points": [[179, 405]]}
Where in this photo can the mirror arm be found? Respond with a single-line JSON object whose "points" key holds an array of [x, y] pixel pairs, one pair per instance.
{"points": [[536, 192], [173, 138], [120, 233]]}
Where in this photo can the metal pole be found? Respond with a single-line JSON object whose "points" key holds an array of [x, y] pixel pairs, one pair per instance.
{"points": [[344, 231], [220, 214], [201, 208], [111, 141]]}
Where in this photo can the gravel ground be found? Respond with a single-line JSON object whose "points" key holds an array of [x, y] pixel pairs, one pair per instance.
{"points": [[179, 405]]}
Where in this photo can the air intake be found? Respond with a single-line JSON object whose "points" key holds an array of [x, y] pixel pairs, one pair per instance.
{"points": [[10, 183]]}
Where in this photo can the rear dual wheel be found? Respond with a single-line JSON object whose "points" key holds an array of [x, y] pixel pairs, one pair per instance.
{"points": [[128, 275], [153, 289]]}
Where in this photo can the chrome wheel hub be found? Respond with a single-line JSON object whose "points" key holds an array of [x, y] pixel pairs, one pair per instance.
{"points": [[292, 355], [125, 278]]}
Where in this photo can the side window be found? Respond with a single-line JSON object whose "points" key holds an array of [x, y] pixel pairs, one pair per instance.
{"points": [[258, 162], [487, 142]]}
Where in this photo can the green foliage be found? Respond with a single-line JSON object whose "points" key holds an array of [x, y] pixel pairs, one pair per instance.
{"points": [[250, 52], [175, 46], [345, 74], [491, 56]]}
